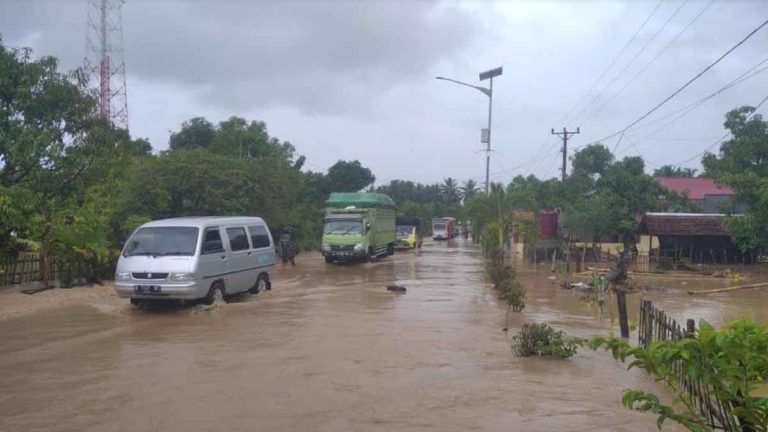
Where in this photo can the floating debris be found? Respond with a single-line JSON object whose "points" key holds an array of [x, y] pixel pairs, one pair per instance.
{"points": [[396, 288]]}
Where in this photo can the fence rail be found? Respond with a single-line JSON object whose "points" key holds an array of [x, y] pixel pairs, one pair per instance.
{"points": [[24, 268], [655, 325]]}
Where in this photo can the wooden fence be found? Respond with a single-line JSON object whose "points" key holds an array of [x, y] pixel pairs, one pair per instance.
{"points": [[23, 269], [641, 263], [655, 325]]}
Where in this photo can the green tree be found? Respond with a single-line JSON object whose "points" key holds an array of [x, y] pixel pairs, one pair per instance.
{"points": [[468, 190], [673, 171], [50, 145], [592, 159], [196, 132], [742, 162], [346, 176], [449, 192], [631, 192]]}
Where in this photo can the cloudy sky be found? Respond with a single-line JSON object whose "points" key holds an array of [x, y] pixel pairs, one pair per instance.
{"points": [[344, 79]]}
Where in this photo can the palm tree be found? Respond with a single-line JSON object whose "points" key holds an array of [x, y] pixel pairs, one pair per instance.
{"points": [[469, 190], [450, 191]]}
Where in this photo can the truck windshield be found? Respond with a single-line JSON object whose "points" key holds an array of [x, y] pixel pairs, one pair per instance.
{"points": [[404, 231], [343, 227], [160, 241], [439, 227]]}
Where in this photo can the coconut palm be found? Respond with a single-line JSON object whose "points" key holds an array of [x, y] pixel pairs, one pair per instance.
{"points": [[449, 191], [469, 190]]}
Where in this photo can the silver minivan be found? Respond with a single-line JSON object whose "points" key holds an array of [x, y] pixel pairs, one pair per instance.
{"points": [[191, 258]]}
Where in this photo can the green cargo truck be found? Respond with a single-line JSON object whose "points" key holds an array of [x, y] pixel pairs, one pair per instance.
{"points": [[358, 227]]}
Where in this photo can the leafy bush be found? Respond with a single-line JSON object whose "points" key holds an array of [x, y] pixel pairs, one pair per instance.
{"points": [[543, 340], [732, 362], [504, 279]]}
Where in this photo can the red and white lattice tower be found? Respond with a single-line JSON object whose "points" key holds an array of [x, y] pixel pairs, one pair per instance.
{"points": [[105, 62]]}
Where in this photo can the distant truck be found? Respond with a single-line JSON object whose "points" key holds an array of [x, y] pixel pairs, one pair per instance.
{"points": [[410, 232], [443, 228], [358, 227]]}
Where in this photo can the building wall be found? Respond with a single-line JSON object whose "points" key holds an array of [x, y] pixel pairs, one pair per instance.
{"points": [[721, 204]]}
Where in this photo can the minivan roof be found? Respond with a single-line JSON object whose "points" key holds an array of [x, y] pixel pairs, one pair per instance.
{"points": [[205, 221]]}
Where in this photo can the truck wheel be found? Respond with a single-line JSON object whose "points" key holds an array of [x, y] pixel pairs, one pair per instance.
{"points": [[215, 295], [136, 302], [328, 260], [391, 249]]}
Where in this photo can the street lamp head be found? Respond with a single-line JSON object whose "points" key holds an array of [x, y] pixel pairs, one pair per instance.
{"points": [[439, 77]]}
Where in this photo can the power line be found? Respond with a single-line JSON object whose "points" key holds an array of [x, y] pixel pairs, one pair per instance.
{"points": [[613, 63], [670, 97], [637, 55], [690, 108], [720, 140], [692, 80], [736, 81]]}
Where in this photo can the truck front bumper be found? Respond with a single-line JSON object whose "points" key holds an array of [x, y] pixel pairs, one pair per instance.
{"points": [[351, 255]]}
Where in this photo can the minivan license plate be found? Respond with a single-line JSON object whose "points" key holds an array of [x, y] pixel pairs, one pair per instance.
{"points": [[146, 289]]}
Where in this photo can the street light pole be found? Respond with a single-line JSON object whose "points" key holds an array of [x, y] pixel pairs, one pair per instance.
{"points": [[486, 135], [488, 144]]}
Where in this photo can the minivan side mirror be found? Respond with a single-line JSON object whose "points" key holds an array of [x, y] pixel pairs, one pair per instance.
{"points": [[367, 227]]}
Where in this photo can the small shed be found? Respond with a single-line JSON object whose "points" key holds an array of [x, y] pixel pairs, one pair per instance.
{"points": [[697, 237]]}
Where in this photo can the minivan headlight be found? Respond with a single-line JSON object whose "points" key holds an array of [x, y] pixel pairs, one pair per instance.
{"points": [[359, 247], [121, 276], [181, 277], [326, 248]]}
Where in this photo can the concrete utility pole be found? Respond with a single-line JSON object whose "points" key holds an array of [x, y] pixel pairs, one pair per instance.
{"points": [[565, 134], [485, 133]]}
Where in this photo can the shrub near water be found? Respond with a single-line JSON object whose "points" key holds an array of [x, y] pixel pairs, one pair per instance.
{"points": [[543, 340], [508, 289]]}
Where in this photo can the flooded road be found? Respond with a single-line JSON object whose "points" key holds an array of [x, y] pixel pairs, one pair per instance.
{"points": [[327, 349]]}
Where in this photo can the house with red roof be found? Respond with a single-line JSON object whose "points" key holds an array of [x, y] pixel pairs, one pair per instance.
{"points": [[704, 192]]}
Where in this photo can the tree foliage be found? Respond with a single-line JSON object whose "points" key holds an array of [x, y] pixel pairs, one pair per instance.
{"points": [[730, 362], [673, 171], [593, 159], [346, 176], [742, 162]]}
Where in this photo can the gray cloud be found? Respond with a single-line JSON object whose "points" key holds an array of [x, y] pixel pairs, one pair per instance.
{"points": [[354, 79], [323, 57]]}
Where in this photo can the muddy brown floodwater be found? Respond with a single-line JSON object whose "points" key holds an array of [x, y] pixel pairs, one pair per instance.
{"points": [[327, 349]]}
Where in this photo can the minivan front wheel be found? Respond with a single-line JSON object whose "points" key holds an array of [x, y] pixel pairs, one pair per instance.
{"points": [[215, 295]]}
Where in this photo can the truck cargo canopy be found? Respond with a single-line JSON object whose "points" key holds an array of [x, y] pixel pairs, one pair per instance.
{"points": [[359, 200]]}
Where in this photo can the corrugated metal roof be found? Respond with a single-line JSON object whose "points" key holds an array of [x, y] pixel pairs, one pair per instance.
{"points": [[686, 224], [695, 187]]}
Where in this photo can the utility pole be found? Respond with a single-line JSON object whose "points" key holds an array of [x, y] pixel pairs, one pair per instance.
{"points": [[565, 134]]}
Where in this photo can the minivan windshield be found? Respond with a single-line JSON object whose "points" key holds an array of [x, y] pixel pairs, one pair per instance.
{"points": [[439, 227], [162, 241], [348, 226]]}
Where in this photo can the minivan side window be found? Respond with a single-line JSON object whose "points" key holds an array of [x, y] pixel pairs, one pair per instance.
{"points": [[212, 241], [259, 236], [238, 240]]}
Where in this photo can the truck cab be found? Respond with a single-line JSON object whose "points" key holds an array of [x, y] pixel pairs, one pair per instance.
{"points": [[358, 227], [345, 237], [410, 233]]}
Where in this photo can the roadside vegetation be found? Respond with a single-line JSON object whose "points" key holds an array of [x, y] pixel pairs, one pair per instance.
{"points": [[730, 363]]}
